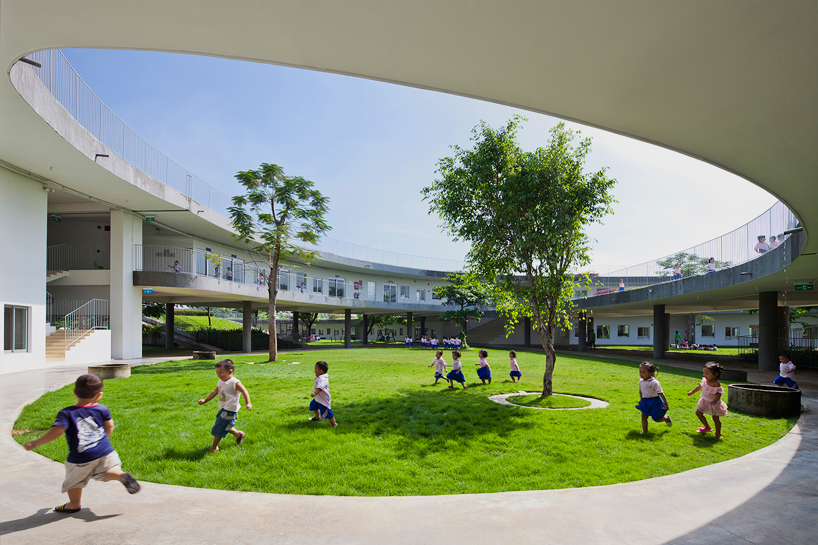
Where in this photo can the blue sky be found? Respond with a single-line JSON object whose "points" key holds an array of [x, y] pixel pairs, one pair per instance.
{"points": [[372, 146]]}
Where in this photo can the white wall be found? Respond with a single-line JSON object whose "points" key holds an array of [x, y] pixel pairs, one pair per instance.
{"points": [[23, 210], [94, 348]]}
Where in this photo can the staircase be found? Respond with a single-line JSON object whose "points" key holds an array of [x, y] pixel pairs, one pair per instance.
{"points": [[55, 345], [492, 330], [55, 275]]}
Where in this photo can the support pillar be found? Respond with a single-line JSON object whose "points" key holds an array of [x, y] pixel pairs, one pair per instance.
{"points": [[768, 317], [348, 328], [582, 341], [296, 335], [366, 330], [527, 333], [660, 331], [667, 331], [169, 325], [126, 299], [410, 329], [246, 327], [422, 326], [591, 331]]}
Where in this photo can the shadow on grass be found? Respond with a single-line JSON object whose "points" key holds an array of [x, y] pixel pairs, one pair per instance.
{"points": [[174, 453], [428, 421], [636, 435], [174, 367]]}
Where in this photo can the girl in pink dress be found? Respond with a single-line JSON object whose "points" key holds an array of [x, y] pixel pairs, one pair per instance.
{"points": [[710, 402]]}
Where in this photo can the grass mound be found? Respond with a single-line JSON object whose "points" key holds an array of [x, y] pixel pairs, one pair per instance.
{"points": [[398, 434], [550, 402]]}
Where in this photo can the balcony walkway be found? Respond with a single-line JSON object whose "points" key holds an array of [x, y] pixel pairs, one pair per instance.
{"points": [[765, 497]]}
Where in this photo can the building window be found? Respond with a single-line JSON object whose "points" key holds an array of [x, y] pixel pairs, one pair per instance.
{"points": [[336, 287], [300, 280], [390, 293], [643, 332], [15, 329], [404, 292], [623, 331], [580, 293], [754, 330], [708, 331], [317, 285], [730, 332], [603, 332], [283, 279], [421, 295]]}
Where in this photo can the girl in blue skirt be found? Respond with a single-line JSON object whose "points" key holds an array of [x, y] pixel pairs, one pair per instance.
{"points": [[456, 374], [485, 371], [652, 400]]}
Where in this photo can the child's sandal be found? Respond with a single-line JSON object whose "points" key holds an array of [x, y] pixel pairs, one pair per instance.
{"points": [[62, 509]]}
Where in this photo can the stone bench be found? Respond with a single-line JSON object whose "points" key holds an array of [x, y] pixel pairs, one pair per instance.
{"points": [[110, 370], [764, 400], [204, 355]]}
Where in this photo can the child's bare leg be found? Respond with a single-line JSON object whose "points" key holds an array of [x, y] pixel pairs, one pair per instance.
{"points": [[215, 446], [74, 498], [236, 433], [113, 475], [333, 422], [717, 423], [465, 387], [702, 419], [644, 423], [317, 415]]}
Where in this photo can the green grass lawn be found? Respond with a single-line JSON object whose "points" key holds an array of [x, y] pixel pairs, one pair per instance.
{"points": [[398, 434], [727, 351]]}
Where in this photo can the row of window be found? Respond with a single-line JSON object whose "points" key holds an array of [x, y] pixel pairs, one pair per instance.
{"points": [[336, 287], [604, 331]]}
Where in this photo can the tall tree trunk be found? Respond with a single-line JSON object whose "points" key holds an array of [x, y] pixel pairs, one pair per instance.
{"points": [[546, 335], [272, 295]]}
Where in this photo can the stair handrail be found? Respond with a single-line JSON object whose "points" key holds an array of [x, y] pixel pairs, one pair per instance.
{"points": [[88, 317], [49, 308]]}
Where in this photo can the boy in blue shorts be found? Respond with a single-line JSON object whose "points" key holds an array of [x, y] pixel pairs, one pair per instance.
{"points": [[322, 401], [87, 427], [228, 389]]}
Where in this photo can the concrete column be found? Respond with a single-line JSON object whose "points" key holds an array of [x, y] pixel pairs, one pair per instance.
{"points": [[582, 341], [590, 330], [527, 333], [667, 331], [410, 326], [422, 326], [366, 330], [348, 328], [169, 325], [296, 335], [768, 318], [126, 300], [660, 331], [246, 327]]}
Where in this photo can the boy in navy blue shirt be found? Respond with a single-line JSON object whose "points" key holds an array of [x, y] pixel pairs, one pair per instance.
{"points": [[87, 427]]}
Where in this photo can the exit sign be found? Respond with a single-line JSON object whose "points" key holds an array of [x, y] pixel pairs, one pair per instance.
{"points": [[150, 218], [804, 286], [147, 291], [56, 218]]}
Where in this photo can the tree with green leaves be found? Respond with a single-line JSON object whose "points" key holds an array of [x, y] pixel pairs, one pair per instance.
{"points": [[525, 214], [276, 211], [691, 264], [379, 320], [308, 319], [467, 292]]}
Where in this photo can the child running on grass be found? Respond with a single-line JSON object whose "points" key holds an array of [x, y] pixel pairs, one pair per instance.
{"points": [[515, 367], [786, 372], [710, 402], [228, 389], [322, 400], [652, 400], [440, 366], [87, 427], [485, 371], [456, 374]]}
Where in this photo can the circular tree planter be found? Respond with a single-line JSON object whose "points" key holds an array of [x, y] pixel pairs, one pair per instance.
{"points": [[733, 375], [764, 400], [204, 355], [502, 399], [110, 370]]}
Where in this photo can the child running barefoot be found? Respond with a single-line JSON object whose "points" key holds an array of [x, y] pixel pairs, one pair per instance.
{"points": [[515, 368], [440, 366], [456, 374], [228, 389], [652, 400], [87, 427], [485, 371], [710, 402]]}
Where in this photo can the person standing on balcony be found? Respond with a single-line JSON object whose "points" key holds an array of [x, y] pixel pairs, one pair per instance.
{"points": [[677, 271], [176, 267], [711, 266], [622, 284], [762, 247]]}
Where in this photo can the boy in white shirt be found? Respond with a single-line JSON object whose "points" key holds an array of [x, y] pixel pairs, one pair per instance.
{"points": [[228, 389], [786, 372], [322, 400]]}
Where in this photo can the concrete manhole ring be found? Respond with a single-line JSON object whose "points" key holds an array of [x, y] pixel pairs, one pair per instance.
{"points": [[502, 399]]}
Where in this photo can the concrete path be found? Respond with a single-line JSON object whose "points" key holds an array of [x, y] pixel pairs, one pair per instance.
{"points": [[768, 496]]}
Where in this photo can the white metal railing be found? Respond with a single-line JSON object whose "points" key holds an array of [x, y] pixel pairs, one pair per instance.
{"points": [[386, 257], [232, 269], [88, 317], [729, 250], [58, 309], [67, 257]]}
